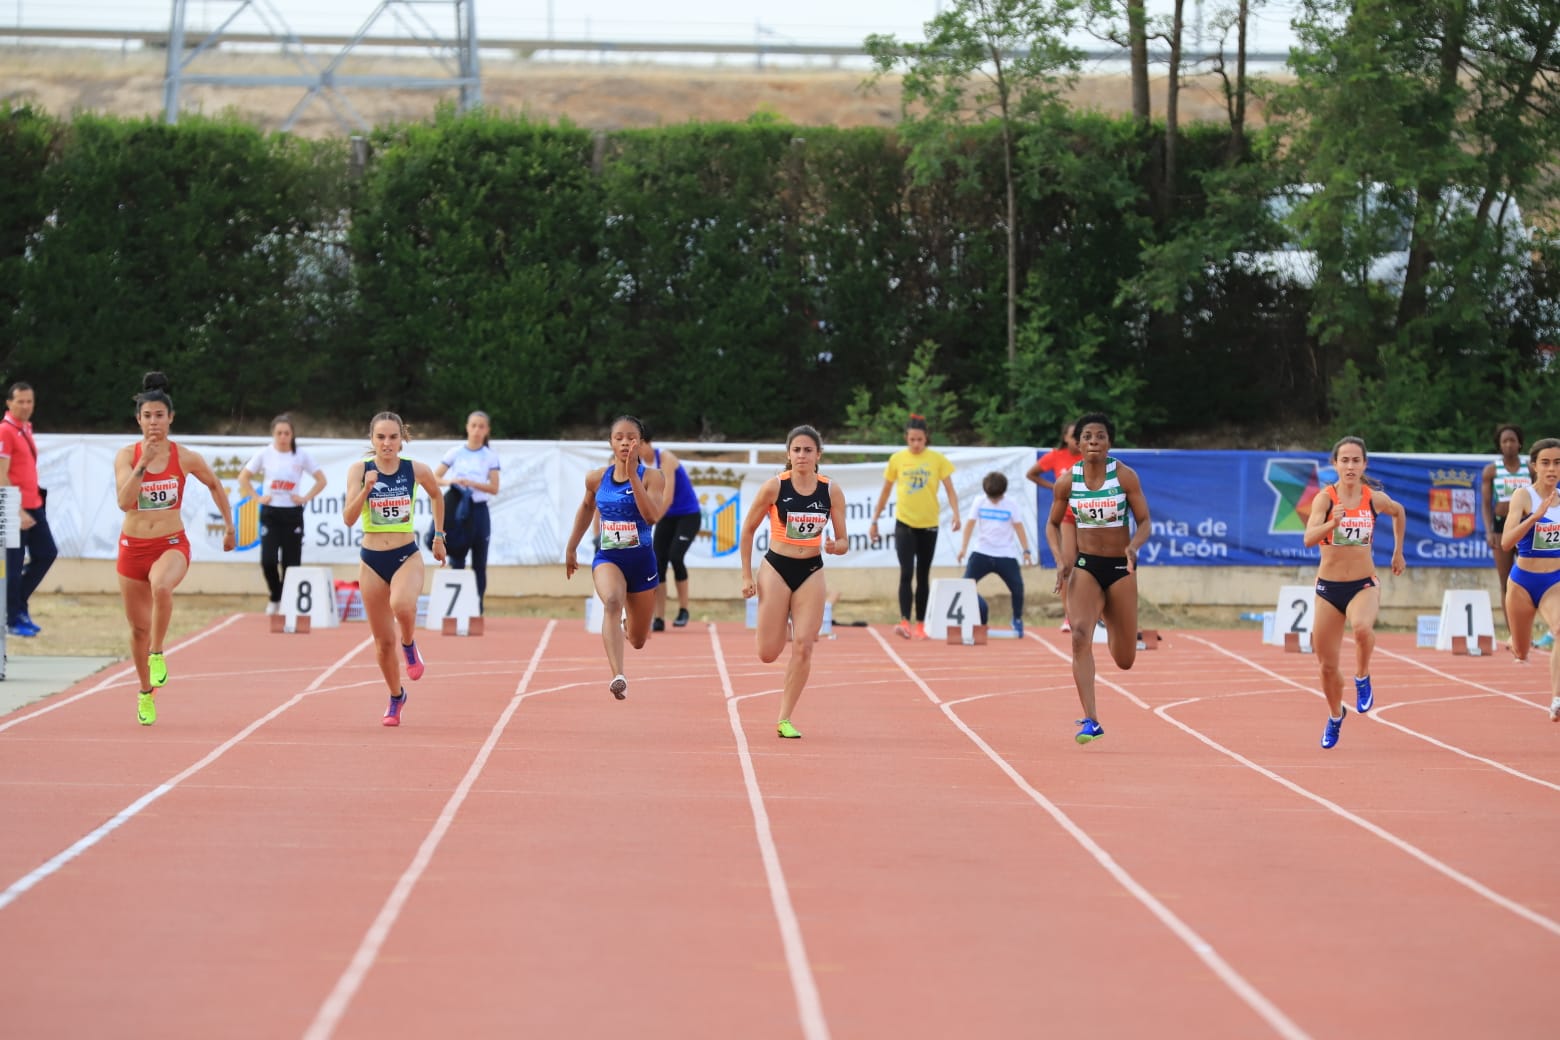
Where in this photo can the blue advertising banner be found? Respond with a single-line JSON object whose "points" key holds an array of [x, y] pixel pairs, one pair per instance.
{"points": [[1249, 508]]}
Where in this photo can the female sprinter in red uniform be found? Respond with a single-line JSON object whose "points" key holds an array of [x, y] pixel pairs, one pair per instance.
{"points": [[1533, 531], [1096, 558], [154, 551], [383, 490], [1343, 522], [800, 504]]}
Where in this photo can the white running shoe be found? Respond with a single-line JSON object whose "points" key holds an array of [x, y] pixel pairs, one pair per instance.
{"points": [[273, 608], [618, 687], [1554, 710]]}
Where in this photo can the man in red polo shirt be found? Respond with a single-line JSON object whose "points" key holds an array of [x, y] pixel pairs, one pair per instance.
{"points": [[24, 566]]}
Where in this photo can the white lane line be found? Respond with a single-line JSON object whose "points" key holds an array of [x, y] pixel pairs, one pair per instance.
{"points": [[809, 1006], [1385, 835], [1461, 681], [1416, 734], [1253, 998], [335, 1006], [129, 812], [122, 674]]}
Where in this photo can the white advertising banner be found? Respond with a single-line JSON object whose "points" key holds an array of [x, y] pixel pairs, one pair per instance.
{"points": [[542, 485]]}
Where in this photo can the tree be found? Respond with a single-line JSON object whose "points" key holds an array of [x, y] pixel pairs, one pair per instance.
{"points": [[1002, 60], [1425, 119]]}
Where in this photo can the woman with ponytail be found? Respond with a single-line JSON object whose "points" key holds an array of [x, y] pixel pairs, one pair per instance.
{"points": [[915, 471], [154, 551]]}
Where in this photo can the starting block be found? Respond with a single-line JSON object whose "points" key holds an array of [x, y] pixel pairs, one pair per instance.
{"points": [[463, 626], [308, 600], [1297, 642], [1465, 615], [952, 605], [1292, 616], [1462, 646], [452, 603], [1149, 639], [299, 625], [974, 635]]}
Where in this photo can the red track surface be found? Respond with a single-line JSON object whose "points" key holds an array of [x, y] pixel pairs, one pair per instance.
{"points": [[526, 856]]}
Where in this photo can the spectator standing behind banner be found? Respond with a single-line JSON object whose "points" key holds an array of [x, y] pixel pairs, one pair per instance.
{"points": [[1057, 461], [675, 531], [915, 471], [19, 469], [281, 508], [470, 475]]}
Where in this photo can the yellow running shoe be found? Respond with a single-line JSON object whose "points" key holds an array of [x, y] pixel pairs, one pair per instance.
{"points": [[146, 707], [785, 729], [159, 669]]}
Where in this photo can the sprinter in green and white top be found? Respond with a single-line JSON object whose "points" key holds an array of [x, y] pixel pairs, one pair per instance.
{"points": [[1096, 556]]}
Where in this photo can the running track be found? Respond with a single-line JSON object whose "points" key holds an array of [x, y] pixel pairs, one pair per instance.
{"points": [[526, 856]]}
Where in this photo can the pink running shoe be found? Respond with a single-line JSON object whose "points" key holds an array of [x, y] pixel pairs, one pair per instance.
{"points": [[414, 661], [1066, 625], [393, 713], [902, 630]]}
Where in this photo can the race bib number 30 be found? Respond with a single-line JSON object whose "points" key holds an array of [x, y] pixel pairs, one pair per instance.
{"points": [[159, 494], [804, 527], [619, 534]]}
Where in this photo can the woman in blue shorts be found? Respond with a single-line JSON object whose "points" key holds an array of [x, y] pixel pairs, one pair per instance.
{"points": [[382, 489], [1348, 593], [627, 498], [1533, 530]]}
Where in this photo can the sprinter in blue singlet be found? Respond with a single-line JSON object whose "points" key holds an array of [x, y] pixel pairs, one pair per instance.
{"points": [[627, 498]]}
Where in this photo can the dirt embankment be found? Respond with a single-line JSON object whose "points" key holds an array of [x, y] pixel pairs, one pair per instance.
{"points": [[606, 96]]}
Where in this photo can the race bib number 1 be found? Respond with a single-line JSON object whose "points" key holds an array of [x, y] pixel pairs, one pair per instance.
{"points": [[619, 534]]}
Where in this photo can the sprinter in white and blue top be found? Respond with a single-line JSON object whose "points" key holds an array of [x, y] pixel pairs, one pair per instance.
{"points": [[1097, 556], [469, 475], [627, 498], [998, 532], [1533, 530]]}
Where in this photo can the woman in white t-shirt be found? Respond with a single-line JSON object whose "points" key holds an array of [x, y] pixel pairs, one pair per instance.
{"points": [[284, 466], [999, 536], [470, 475]]}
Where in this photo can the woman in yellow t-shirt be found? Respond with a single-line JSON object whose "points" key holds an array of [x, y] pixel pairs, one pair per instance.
{"points": [[915, 472]]}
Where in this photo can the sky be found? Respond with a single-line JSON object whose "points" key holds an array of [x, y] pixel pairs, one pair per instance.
{"points": [[740, 21]]}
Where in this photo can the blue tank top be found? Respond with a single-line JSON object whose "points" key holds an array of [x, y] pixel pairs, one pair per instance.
{"points": [[684, 499], [1543, 538], [622, 527]]}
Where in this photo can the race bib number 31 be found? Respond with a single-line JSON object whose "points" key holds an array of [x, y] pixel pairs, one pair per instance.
{"points": [[619, 534]]}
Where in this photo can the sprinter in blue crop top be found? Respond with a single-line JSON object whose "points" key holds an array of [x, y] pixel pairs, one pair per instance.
{"points": [[627, 498], [1533, 530]]}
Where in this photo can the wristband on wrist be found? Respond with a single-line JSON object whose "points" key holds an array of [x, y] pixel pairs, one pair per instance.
{"points": [[439, 535]]}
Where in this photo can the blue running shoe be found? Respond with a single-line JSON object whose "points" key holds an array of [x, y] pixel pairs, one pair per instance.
{"points": [[1543, 642], [1018, 627], [1330, 734], [1088, 730], [1363, 697]]}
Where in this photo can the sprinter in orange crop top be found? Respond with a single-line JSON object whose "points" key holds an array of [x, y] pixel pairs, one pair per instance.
{"points": [[154, 551], [1343, 522], [801, 506]]}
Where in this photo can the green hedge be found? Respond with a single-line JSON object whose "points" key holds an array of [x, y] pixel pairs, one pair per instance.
{"points": [[725, 280]]}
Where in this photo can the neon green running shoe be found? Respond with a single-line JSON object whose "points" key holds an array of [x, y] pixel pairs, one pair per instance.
{"points": [[159, 669], [785, 729], [146, 707]]}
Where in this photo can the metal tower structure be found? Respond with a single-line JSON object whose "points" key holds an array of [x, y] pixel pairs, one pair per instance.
{"points": [[324, 79]]}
